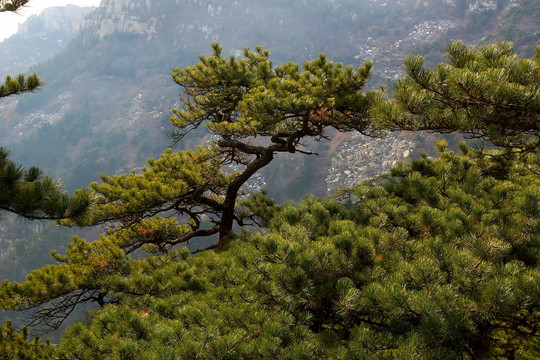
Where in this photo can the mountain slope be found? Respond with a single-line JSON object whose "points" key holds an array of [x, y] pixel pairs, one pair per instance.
{"points": [[40, 37], [105, 108]]}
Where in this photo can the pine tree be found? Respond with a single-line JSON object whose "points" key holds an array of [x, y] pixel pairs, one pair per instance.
{"points": [[253, 110], [488, 93]]}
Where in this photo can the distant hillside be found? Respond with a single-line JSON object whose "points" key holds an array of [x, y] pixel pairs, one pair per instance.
{"points": [[105, 106], [40, 37]]}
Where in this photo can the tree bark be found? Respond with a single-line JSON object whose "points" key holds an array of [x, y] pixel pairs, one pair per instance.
{"points": [[227, 217]]}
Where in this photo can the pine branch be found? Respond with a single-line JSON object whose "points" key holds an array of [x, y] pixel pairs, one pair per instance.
{"points": [[20, 84], [12, 5]]}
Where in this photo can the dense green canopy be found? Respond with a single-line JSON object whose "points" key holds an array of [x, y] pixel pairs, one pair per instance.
{"points": [[436, 260]]}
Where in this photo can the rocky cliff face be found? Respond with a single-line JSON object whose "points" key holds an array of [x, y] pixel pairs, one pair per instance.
{"points": [[120, 16]]}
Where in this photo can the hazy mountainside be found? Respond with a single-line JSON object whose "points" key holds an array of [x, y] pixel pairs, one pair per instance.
{"points": [[40, 37], [105, 106]]}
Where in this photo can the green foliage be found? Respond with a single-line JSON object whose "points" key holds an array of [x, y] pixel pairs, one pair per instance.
{"points": [[487, 92], [33, 196], [238, 98], [253, 110], [19, 84], [175, 177], [15, 345], [438, 259]]}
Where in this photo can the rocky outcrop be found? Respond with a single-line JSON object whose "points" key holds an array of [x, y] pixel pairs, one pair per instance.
{"points": [[120, 16], [482, 5]]}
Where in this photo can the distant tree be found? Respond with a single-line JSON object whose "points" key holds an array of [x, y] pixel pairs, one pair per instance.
{"points": [[488, 93]]}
